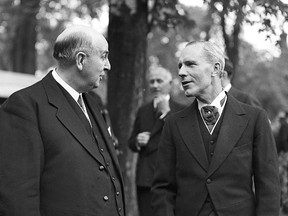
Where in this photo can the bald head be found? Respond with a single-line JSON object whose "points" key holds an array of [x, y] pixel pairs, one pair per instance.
{"points": [[72, 40]]}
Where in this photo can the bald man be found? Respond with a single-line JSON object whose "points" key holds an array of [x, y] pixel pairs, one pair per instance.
{"points": [[56, 154], [146, 133]]}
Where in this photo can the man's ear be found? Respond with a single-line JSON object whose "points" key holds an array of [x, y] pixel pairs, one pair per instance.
{"points": [[223, 74], [216, 70], [80, 59]]}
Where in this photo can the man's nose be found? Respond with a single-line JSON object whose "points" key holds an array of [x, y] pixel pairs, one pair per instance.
{"points": [[154, 84], [181, 72], [107, 65]]}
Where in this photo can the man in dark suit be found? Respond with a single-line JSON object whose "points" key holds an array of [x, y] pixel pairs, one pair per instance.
{"points": [[56, 155], [146, 133], [226, 78], [282, 138], [210, 156]]}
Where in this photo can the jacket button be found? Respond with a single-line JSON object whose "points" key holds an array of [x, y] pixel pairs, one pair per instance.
{"points": [[117, 193], [101, 168], [105, 198], [208, 181], [119, 209], [211, 142]]}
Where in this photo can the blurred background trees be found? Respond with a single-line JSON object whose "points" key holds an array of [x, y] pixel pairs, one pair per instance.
{"points": [[143, 33]]}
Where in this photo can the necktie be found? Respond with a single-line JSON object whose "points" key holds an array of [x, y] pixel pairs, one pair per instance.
{"points": [[82, 106], [210, 115]]}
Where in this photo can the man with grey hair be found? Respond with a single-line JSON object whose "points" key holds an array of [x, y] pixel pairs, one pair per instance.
{"points": [[213, 152], [147, 130], [56, 154]]}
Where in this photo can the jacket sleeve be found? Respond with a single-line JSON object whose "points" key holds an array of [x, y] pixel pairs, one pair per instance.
{"points": [[155, 130], [283, 138], [21, 158], [265, 166]]}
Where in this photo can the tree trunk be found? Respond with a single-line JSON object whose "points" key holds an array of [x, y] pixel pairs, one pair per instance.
{"points": [[127, 33], [23, 53], [232, 41]]}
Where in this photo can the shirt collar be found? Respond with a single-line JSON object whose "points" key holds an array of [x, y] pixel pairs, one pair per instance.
{"points": [[227, 87], [68, 88], [166, 97], [216, 102]]}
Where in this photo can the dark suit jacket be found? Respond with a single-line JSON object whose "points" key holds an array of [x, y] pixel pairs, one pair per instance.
{"points": [[49, 165], [245, 147], [146, 121], [243, 97], [283, 138]]}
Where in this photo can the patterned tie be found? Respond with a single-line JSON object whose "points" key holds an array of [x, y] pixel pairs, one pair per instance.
{"points": [[210, 115], [82, 106]]}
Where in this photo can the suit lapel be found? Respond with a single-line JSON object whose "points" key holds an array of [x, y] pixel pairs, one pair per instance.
{"points": [[232, 127], [67, 116], [95, 111], [190, 132], [157, 123]]}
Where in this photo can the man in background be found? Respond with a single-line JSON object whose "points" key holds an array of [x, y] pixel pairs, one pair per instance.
{"points": [[146, 133], [226, 78], [283, 134], [56, 154]]}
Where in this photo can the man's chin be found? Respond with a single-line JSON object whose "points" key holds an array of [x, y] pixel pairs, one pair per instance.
{"points": [[156, 94], [189, 93], [96, 85]]}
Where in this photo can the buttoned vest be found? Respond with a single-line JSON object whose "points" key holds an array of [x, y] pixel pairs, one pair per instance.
{"points": [[210, 142], [114, 197]]}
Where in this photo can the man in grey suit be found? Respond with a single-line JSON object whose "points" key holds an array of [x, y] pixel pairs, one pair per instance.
{"points": [[212, 152], [56, 154]]}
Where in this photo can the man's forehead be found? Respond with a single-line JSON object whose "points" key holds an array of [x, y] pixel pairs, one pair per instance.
{"points": [[101, 44], [192, 51], [155, 77], [159, 75]]}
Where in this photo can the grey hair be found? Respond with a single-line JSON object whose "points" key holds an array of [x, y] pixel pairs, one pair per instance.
{"points": [[212, 52], [66, 48]]}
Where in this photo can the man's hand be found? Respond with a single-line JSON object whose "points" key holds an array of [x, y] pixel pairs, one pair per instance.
{"points": [[162, 105], [143, 138]]}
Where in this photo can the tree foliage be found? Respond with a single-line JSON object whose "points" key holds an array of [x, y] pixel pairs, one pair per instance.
{"points": [[263, 12]]}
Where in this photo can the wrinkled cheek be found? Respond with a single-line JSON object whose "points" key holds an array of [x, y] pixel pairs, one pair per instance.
{"points": [[205, 84]]}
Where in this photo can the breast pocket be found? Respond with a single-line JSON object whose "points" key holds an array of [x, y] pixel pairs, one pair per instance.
{"points": [[243, 148]]}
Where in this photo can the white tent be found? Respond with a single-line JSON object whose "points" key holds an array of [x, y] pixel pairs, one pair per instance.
{"points": [[12, 81]]}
